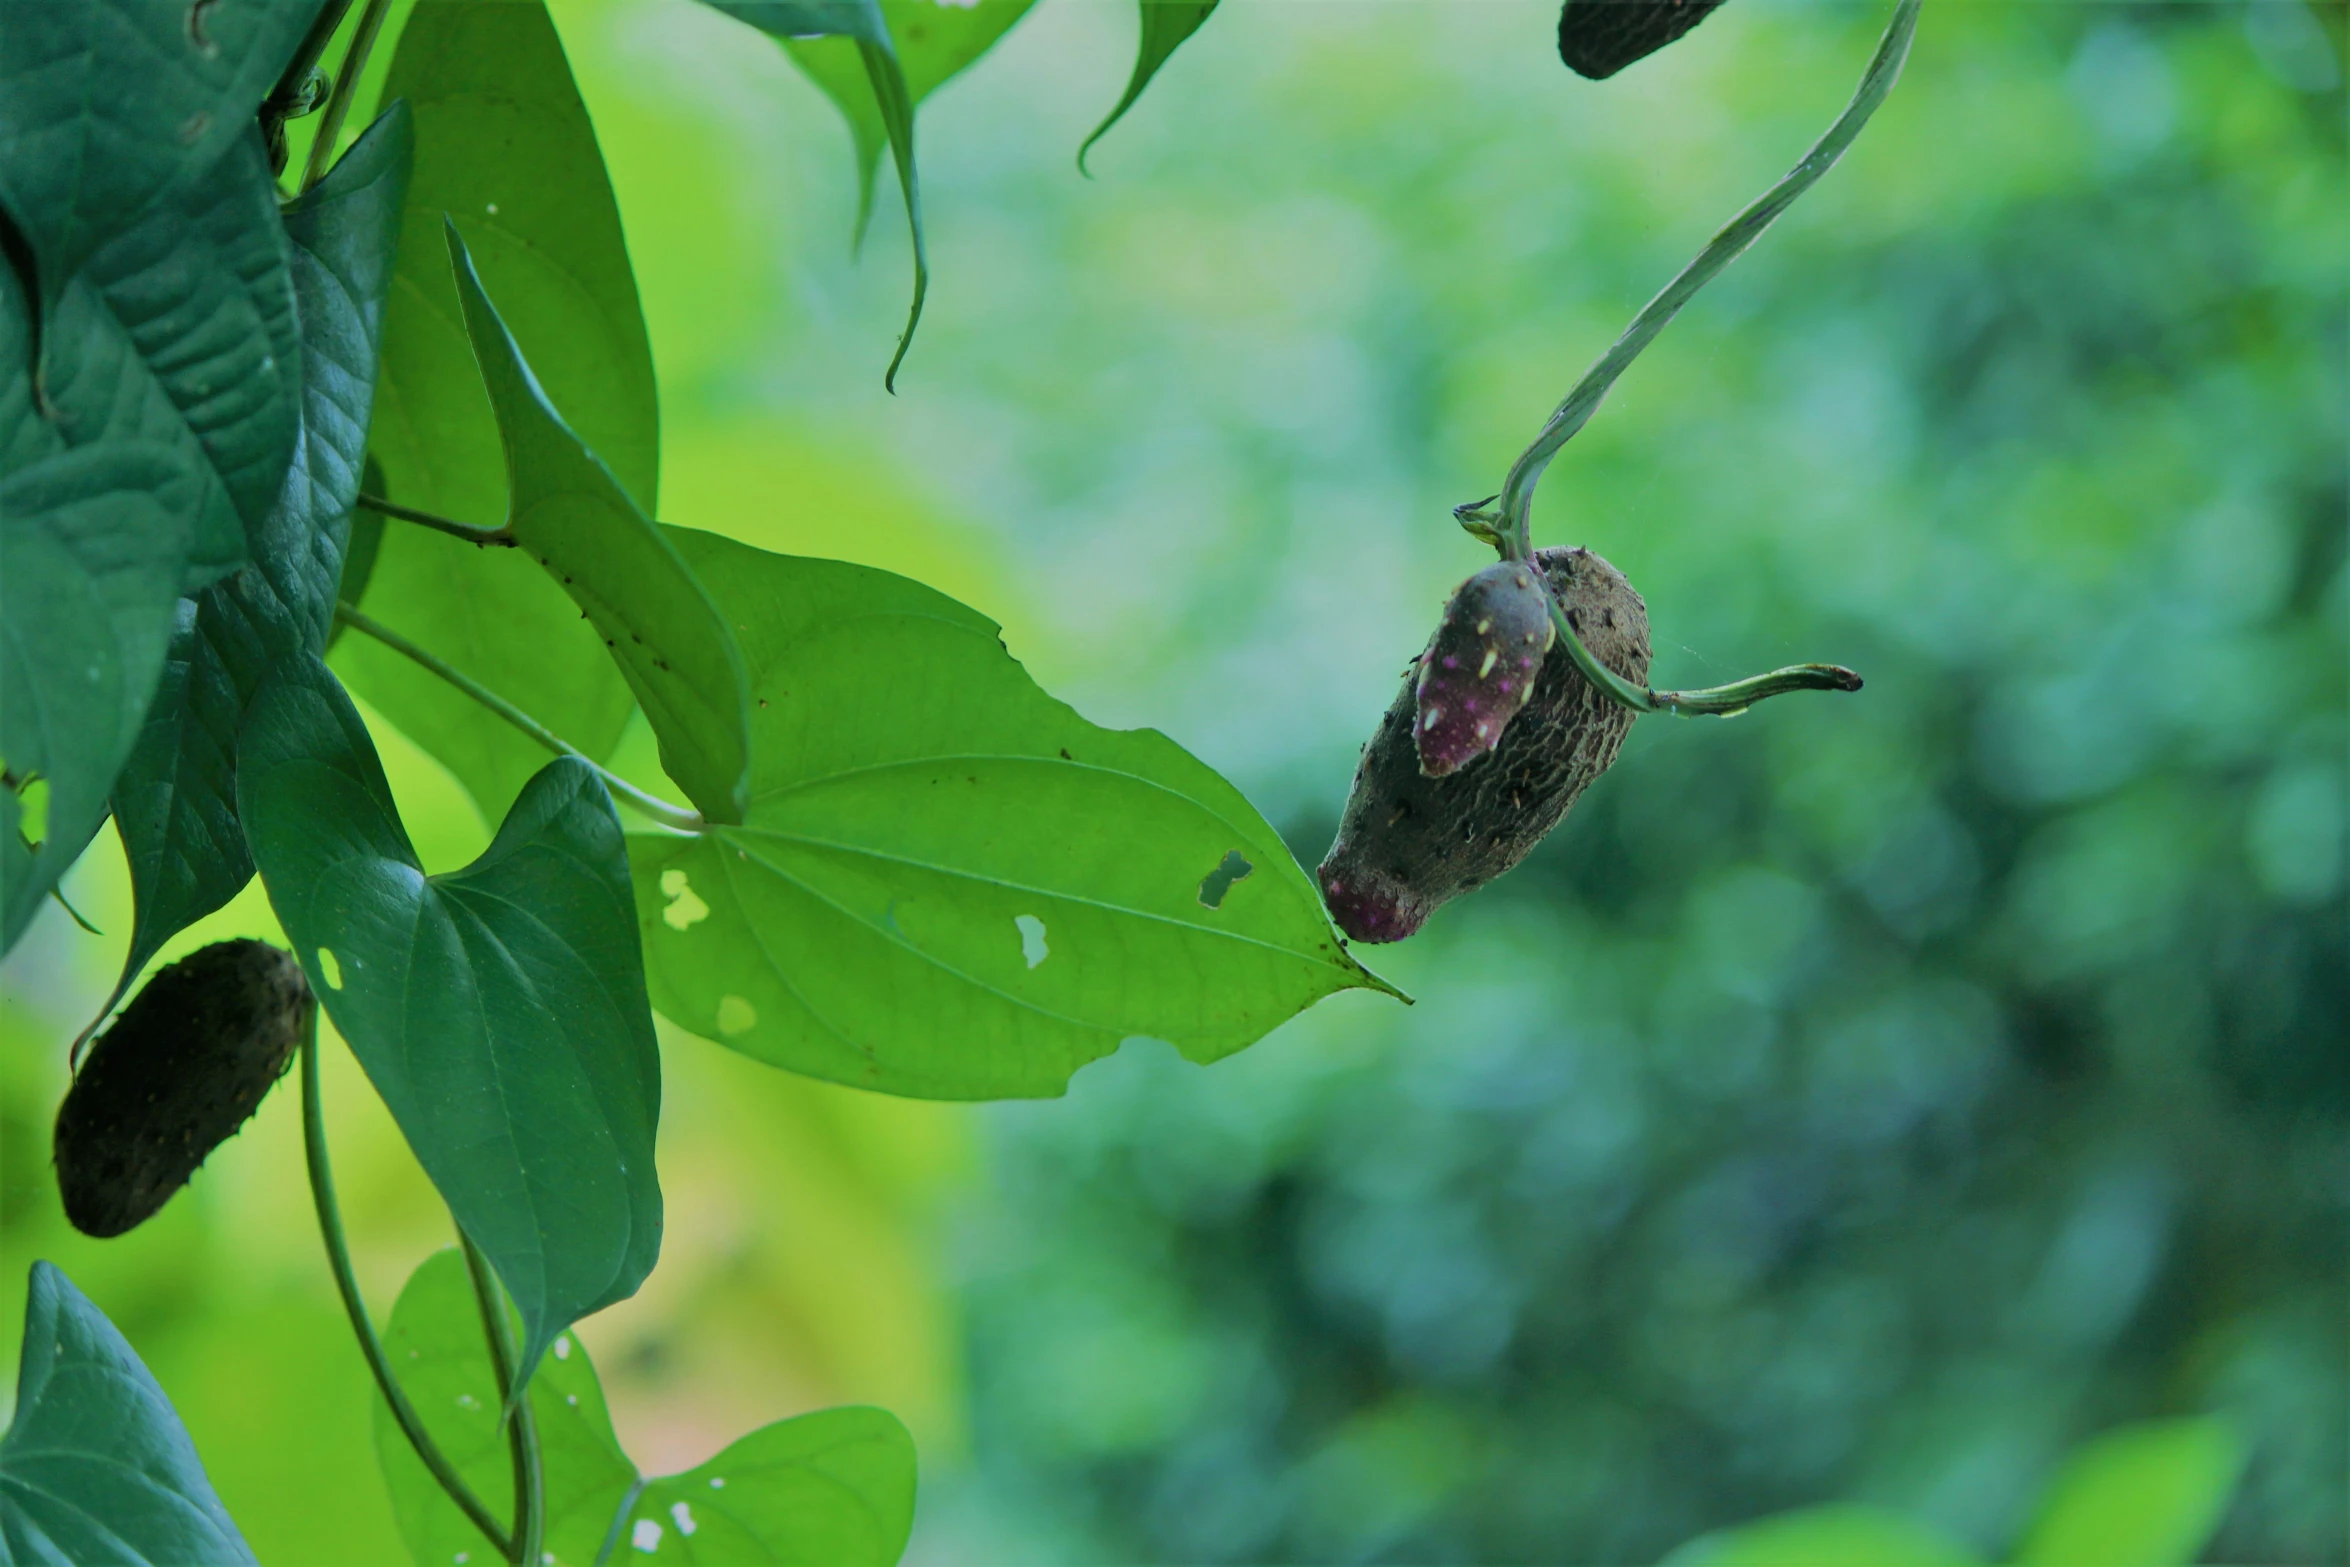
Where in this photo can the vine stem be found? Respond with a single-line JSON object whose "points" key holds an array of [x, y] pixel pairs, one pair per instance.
{"points": [[467, 531], [346, 88], [338, 1256], [651, 805], [526, 1545], [1509, 526]]}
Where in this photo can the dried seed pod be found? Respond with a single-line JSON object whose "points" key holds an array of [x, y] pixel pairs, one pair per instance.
{"points": [[182, 1068], [1598, 38], [1409, 842], [1480, 666]]}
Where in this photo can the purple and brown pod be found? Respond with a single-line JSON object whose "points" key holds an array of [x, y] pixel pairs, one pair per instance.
{"points": [[179, 1072], [1410, 842], [1480, 666]]}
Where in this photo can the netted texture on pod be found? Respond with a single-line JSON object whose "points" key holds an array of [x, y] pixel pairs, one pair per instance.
{"points": [[1408, 842], [1480, 666], [1598, 38], [183, 1067]]}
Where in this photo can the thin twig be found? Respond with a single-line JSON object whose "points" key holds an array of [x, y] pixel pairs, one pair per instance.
{"points": [[469, 532], [346, 88], [338, 1256], [650, 805]]}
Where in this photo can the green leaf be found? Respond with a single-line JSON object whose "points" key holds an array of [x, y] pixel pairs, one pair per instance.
{"points": [[1841, 1534], [835, 1487], [438, 1351], [175, 802], [92, 545], [112, 104], [572, 516], [499, 1010], [2145, 1495], [1165, 26], [504, 145], [97, 1467], [949, 885]]}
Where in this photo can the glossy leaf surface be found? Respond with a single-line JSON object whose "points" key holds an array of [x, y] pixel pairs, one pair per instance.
{"points": [[175, 802], [830, 1489], [1166, 25], [569, 513], [504, 146], [499, 1010], [948, 884], [2142, 1496], [97, 1467]]}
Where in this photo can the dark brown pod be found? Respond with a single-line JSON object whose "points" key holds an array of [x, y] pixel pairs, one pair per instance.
{"points": [[1480, 666], [1409, 842], [1598, 38], [183, 1067]]}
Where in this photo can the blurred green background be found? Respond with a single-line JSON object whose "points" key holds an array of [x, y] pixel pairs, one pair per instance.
{"points": [[1871, 1098]]}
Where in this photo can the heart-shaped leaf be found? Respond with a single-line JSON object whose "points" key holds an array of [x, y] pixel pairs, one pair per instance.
{"points": [[831, 1489], [948, 884], [1166, 24], [568, 513], [499, 1010], [97, 1467], [176, 801], [503, 145]]}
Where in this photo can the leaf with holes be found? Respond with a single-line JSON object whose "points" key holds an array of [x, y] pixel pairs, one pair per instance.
{"points": [[175, 802], [504, 146], [1166, 25], [567, 512], [830, 1489], [96, 1466], [499, 1010], [948, 884]]}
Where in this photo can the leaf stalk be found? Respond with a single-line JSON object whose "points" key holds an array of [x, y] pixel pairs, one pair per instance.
{"points": [[1508, 525], [346, 89], [522, 1435], [338, 1256], [650, 805], [467, 531]]}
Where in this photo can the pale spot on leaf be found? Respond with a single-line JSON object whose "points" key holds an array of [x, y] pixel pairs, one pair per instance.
{"points": [[685, 906], [646, 1536], [684, 1516], [736, 1016], [1032, 945], [563, 1347]]}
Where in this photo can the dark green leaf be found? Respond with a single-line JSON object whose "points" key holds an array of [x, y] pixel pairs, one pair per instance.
{"points": [[438, 1351], [1838, 1535], [97, 1467], [1165, 26], [948, 884], [92, 545], [505, 146], [111, 104], [367, 536], [567, 512], [175, 802], [831, 1489], [2142, 1496], [499, 1010], [181, 327]]}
